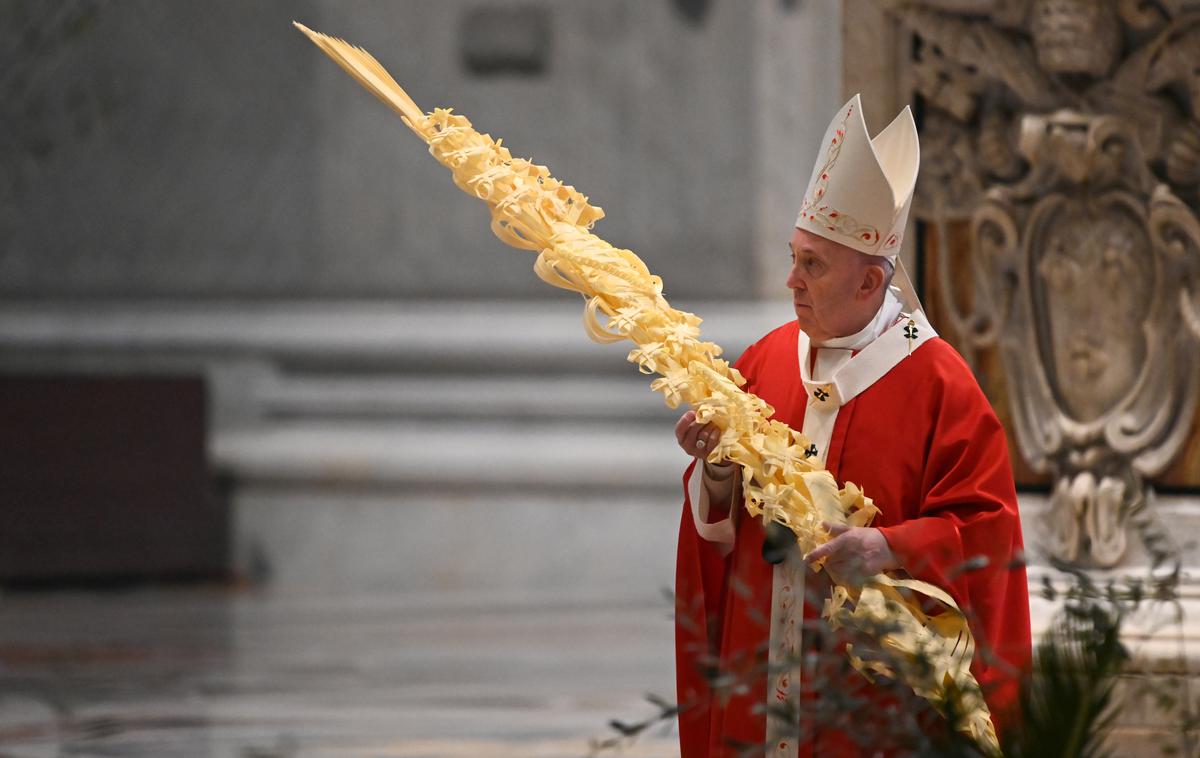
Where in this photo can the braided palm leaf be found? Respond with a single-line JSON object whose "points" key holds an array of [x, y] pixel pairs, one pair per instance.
{"points": [[532, 210]]}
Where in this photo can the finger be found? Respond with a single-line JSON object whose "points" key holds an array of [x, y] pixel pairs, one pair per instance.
{"points": [[836, 529], [833, 550], [681, 426], [702, 439], [822, 551], [701, 442], [689, 438]]}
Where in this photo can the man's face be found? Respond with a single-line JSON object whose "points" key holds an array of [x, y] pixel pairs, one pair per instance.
{"points": [[825, 280]]}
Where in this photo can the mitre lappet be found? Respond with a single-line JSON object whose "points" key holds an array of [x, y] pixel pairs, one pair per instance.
{"points": [[861, 188]]}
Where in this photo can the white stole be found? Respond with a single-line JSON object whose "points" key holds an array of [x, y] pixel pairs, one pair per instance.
{"points": [[837, 376]]}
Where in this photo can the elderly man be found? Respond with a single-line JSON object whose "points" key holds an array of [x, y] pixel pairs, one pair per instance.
{"points": [[889, 406]]}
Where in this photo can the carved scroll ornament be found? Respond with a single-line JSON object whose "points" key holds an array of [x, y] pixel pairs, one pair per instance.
{"points": [[1090, 290], [1065, 133]]}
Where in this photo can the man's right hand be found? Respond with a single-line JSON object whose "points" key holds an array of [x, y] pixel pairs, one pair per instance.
{"points": [[697, 440]]}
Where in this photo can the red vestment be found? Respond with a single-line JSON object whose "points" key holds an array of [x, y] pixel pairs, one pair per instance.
{"points": [[924, 444]]}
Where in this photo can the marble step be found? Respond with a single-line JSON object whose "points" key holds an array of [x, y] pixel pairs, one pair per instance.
{"points": [[339, 506], [454, 397], [511, 454], [406, 336], [338, 540]]}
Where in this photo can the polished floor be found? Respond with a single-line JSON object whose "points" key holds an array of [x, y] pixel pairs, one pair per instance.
{"points": [[213, 672]]}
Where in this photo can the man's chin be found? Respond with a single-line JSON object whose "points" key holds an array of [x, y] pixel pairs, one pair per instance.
{"points": [[805, 320]]}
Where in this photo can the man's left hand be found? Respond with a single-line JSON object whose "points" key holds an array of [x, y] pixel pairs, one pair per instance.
{"points": [[855, 553]]}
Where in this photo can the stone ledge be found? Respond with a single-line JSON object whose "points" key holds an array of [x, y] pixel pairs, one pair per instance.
{"points": [[410, 335], [566, 544], [430, 455], [456, 397]]}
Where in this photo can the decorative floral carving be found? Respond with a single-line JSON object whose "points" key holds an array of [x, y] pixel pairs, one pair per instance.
{"points": [[1076, 36], [1085, 246]]}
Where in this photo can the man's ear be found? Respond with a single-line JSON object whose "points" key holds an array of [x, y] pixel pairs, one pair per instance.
{"points": [[873, 278]]}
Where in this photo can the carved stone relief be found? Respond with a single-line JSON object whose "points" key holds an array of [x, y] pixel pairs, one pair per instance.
{"points": [[1065, 133]]}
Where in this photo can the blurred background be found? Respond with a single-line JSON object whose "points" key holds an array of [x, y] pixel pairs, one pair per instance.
{"points": [[298, 459]]}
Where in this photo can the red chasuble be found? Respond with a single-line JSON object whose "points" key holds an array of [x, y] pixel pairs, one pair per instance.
{"points": [[925, 445]]}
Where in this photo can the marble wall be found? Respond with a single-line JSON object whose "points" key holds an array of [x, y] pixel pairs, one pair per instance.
{"points": [[164, 149]]}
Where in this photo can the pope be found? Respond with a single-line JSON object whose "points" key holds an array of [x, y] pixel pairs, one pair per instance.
{"points": [[887, 405]]}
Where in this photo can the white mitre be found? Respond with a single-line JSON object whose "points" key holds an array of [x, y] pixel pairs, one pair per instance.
{"points": [[861, 188]]}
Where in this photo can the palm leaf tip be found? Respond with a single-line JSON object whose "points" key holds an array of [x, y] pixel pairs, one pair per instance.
{"points": [[366, 71]]}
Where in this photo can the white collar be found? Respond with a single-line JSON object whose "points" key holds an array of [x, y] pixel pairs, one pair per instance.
{"points": [[884, 317], [871, 363]]}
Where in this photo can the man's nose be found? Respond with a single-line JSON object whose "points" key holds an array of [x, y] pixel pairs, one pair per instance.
{"points": [[794, 280]]}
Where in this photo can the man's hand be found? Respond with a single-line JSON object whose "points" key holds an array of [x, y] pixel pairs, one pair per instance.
{"points": [[697, 440], [855, 553]]}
